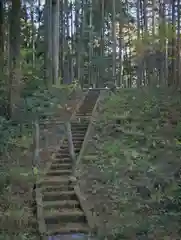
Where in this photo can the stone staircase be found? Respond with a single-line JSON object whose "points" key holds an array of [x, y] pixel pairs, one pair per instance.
{"points": [[58, 207]]}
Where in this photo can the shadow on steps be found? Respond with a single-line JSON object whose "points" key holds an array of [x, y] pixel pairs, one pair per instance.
{"points": [[78, 236]]}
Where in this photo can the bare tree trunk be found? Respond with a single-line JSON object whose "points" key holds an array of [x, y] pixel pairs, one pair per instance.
{"points": [[102, 70], [55, 40], [38, 33], [146, 35], [169, 54], [62, 38], [139, 64], [120, 81], [1, 32], [72, 75], [114, 40], [48, 37], [1, 37], [174, 41], [161, 43], [77, 40], [33, 34], [81, 44], [14, 68], [178, 43], [90, 44], [66, 46], [153, 17]]}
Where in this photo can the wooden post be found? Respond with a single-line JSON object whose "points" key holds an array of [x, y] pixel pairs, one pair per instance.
{"points": [[36, 157], [70, 142], [46, 138]]}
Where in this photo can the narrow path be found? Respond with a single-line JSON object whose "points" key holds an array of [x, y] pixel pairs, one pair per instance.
{"points": [[61, 210]]}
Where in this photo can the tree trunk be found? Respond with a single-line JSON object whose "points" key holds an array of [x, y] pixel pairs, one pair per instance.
{"points": [[120, 82], [33, 34], [90, 44], [55, 40], [1, 37], [139, 63], [114, 40], [102, 69], [72, 75], [48, 37], [14, 68], [178, 44], [62, 40], [77, 40], [174, 41]]}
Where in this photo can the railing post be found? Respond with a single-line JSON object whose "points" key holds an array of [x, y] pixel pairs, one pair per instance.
{"points": [[36, 138], [70, 142], [46, 138]]}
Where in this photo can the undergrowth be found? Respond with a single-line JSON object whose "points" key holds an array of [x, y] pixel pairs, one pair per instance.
{"points": [[138, 138], [16, 177]]}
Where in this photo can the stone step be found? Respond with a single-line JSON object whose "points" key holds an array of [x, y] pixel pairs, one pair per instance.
{"points": [[62, 195], [79, 127], [77, 138], [63, 154], [48, 181], [64, 149], [62, 187], [64, 215], [65, 228], [59, 165], [83, 114], [77, 150], [61, 204], [78, 135], [59, 159], [75, 142], [59, 172]]}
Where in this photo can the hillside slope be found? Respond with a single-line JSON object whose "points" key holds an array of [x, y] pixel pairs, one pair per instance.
{"points": [[132, 183]]}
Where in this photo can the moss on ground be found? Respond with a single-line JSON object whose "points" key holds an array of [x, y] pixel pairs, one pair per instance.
{"points": [[133, 184]]}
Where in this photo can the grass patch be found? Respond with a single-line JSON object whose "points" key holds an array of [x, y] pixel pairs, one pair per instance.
{"points": [[138, 166]]}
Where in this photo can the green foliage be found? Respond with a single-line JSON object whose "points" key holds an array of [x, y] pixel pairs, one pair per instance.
{"points": [[33, 83], [7, 130], [139, 156], [15, 175], [37, 103], [3, 93], [20, 236]]}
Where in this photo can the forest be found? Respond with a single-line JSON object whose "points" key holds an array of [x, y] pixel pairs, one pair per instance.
{"points": [[51, 52]]}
